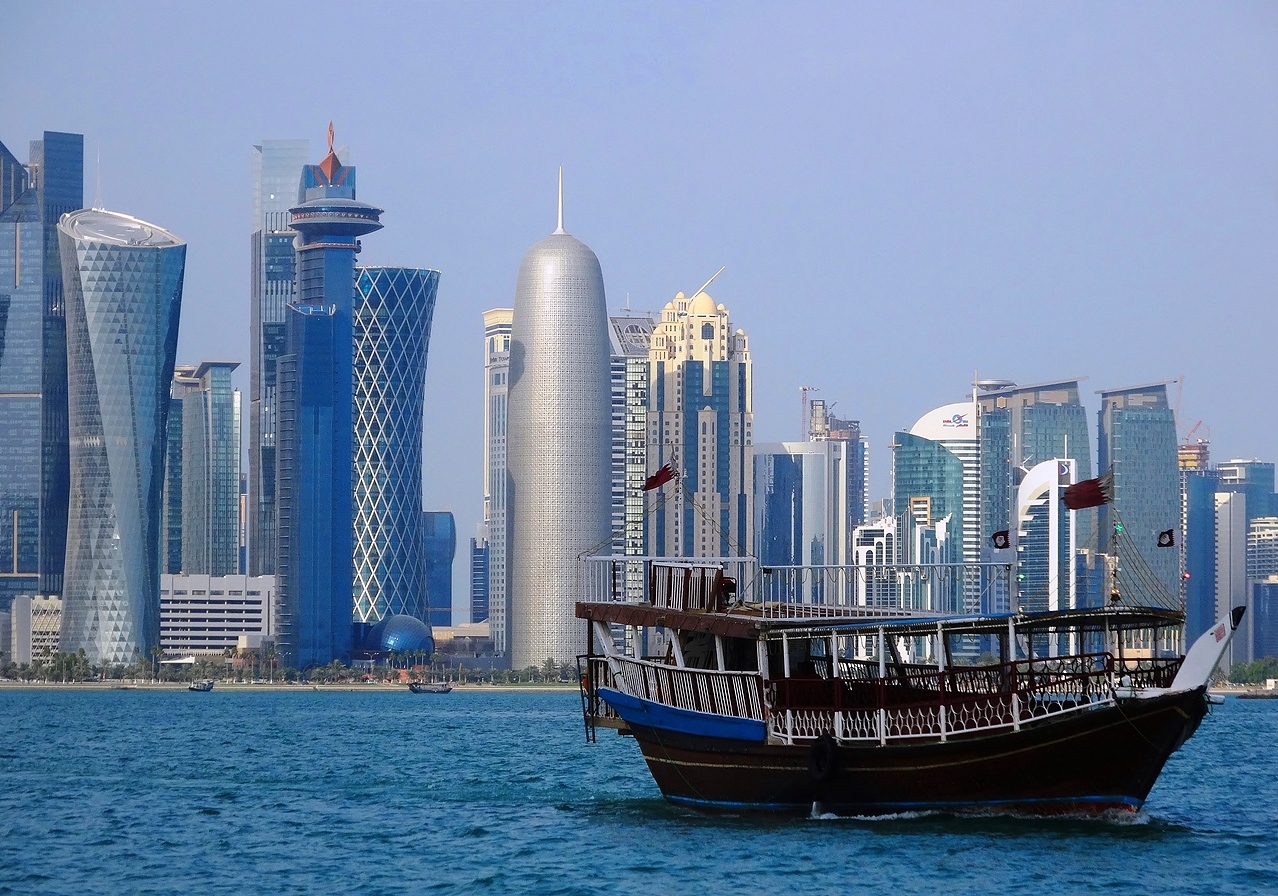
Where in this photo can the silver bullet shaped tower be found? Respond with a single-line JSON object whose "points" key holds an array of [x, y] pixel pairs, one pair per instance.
{"points": [[558, 443]]}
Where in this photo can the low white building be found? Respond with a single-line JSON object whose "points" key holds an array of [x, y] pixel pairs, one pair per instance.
{"points": [[34, 624], [201, 614]]}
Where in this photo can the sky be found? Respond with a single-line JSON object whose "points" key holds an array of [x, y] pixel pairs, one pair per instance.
{"points": [[902, 195]]}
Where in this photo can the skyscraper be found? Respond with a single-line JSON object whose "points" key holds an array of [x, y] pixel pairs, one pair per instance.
{"points": [[316, 399], [936, 477], [1137, 444], [439, 547], [497, 327], [1252, 478], [123, 282], [184, 383], [276, 166], [1021, 426], [1045, 538], [823, 426], [559, 443], [700, 422], [34, 471], [211, 472], [392, 319], [631, 337], [802, 517], [479, 547]]}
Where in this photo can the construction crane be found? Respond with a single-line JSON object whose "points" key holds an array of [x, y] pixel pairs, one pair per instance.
{"points": [[803, 397]]}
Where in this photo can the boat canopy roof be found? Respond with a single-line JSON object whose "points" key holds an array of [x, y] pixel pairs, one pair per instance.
{"points": [[755, 622]]}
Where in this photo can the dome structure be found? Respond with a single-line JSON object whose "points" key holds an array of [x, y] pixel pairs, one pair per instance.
{"points": [[401, 634], [702, 304]]}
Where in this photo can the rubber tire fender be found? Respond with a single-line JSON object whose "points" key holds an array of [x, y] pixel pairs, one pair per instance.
{"points": [[823, 758]]}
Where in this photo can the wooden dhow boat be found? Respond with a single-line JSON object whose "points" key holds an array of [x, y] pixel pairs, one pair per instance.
{"points": [[862, 710]]}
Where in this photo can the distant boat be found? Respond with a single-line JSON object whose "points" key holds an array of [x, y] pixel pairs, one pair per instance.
{"points": [[429, 687], [205, 685]]}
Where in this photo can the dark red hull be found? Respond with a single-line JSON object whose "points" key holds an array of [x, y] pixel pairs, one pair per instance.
{"points": [[1089, 762]]}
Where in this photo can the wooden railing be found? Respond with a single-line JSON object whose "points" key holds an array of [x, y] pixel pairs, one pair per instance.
{"points": [[738, 694], [921, 702]]}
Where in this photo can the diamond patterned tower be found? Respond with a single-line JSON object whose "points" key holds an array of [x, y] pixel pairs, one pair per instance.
{"points": [[123, 281], [391, 324]]}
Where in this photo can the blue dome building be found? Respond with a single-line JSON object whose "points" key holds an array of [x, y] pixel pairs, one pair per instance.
{"points": [[401, 634]]}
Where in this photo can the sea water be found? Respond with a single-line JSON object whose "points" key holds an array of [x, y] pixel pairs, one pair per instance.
{"points": [[498, 792]]}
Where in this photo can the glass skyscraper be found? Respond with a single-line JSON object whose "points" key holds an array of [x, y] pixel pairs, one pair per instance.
{"points": [[314, 461], [1138, 444], [211, 472], [1022, 426], [391, 330], [802, 509], [276, 167], [439, 547], [123, 282], [34, 471]]}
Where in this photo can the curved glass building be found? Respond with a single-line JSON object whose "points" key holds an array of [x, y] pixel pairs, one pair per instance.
{"points": [[391, 323], [558, 444], [123, 281]]}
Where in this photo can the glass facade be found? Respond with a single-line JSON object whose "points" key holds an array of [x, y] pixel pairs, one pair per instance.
{"points": [[34, 452], [1138, 444], [315, 423], [391, 326], [1199, 548], [211, 472], [479, 547], [123, 282], [313, 490], [276, 167], [439, 546]]}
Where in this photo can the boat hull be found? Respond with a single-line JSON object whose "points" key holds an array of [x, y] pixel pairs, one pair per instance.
{"points": [[1094, 761]]}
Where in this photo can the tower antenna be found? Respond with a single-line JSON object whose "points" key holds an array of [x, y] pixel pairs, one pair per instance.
{"points": [[560, 228]]}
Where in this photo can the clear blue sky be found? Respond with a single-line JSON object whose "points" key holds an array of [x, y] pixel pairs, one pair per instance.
{"points": [[902, 194]]}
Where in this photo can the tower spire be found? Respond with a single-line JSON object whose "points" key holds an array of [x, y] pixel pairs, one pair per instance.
{"points": [[560, 228]]}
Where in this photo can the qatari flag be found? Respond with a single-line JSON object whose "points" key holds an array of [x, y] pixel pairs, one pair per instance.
{"points": [[659, 478], [1089, 493]]}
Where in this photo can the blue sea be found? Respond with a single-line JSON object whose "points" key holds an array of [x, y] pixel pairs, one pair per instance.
{"points": [[498, 792]]}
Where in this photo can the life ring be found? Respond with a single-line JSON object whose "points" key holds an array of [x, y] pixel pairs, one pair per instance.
{"points": [[823, 758]]}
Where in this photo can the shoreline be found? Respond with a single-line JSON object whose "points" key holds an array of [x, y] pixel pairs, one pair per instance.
{"points": [[224, 686]]}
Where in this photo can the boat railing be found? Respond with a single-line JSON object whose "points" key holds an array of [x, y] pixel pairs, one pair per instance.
{"points": [[593, 672], [928, 703], [795, 592], [724, 693]]}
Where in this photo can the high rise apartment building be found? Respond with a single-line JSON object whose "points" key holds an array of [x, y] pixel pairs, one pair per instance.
{"points": [[700, 422], [277, 165], [496, 531], [123, 280], [823, 426], [558, 460], [34, 466], [1137, 443], [391, 329]]}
